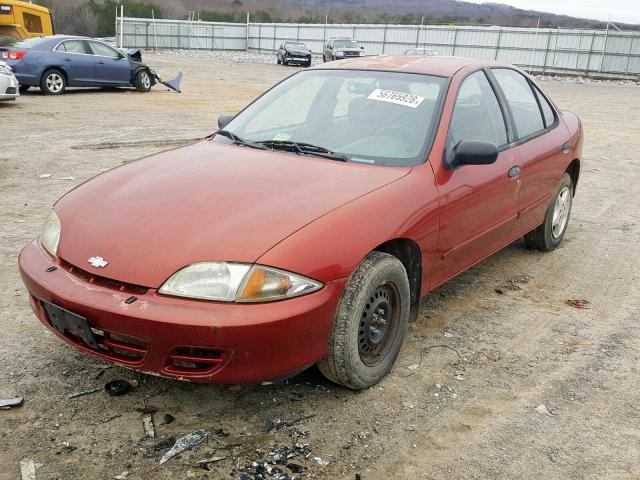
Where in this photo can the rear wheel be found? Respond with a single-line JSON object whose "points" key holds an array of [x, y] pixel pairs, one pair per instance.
{"points": [[548, 236], [53, 82], [142, 81], [370, 323]]}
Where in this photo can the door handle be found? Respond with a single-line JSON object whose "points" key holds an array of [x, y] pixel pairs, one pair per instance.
{"points": [[566, 148], [513, 172], [100, 62], [67, 59]]}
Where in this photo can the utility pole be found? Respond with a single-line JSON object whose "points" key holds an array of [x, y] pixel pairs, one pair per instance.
{"points": [[121, 23]]}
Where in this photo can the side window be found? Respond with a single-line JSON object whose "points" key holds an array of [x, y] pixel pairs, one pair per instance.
{"points": [[547, 111], [524, 106], [32, 23], [72, 46], [103, 50], [477, 114]]}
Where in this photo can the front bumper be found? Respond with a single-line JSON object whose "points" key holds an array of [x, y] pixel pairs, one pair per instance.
{"points": [[213, 341], [297, 60], [9, 88]]}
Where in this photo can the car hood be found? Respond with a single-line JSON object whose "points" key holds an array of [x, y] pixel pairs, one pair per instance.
{"points": [[204, 202], [297, 51]]}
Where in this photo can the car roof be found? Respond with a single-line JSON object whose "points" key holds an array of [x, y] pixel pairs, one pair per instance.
{"points": [[442, 66]]}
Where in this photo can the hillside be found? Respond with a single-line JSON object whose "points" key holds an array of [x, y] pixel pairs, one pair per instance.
{"points": [[96, 17]]}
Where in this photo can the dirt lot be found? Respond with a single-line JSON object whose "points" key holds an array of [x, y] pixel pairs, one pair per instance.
{"points": [[463, 399]]}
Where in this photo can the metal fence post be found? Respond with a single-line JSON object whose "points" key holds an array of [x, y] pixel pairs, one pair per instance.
{"points": [[146, 36], [495, 54], [275, 34], [455, 37], [260, 38], [626, 69], [593, 38], [384, 38], [546, 53], [418, 31]]}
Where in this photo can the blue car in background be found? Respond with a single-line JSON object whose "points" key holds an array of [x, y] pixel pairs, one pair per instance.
{"points": [[60, 61]]}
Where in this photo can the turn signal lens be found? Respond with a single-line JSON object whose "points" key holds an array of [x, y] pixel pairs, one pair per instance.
{"points": [[264, 284]]}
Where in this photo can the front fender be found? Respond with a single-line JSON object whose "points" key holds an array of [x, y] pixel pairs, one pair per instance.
{"points": [[332, 246]]}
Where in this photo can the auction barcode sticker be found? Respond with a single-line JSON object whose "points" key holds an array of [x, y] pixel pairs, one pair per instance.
{"points": [[399, 98]]}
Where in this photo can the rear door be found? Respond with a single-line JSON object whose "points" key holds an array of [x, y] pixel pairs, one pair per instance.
{"points": [[112, 67], [542, 142], [477, 202], [74, 57]]}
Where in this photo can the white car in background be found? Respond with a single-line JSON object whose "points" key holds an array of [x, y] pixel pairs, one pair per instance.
{"points": [[9, 88]]}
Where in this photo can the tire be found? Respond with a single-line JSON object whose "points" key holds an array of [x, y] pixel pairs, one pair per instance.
{"points": [[308, 64], [548, 236], [142, 81], [24, 88], [278, 59], [362, 345], [53, 82]]}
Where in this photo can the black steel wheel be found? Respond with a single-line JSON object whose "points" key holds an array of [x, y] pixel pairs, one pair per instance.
{"points": [[370, 324]]}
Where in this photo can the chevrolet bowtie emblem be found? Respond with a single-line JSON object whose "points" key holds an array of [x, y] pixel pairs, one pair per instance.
{"points": [[98, 262]]}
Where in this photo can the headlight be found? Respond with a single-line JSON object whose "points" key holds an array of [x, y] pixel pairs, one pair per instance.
{"points": [[361, 53], [5, 69], [51, 233], [236, 282], [339, 52]]}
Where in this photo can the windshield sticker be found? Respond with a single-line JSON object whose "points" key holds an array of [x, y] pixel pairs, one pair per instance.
{"points": [[282, 137], [399, 98]]}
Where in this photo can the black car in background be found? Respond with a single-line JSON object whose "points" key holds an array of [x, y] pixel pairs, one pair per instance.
{"points": [[294, 53], [340, 48]]}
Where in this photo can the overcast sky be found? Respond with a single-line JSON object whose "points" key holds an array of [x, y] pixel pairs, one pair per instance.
{"points": [[621, 10]]}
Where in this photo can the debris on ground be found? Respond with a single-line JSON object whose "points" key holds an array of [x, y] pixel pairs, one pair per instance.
{"points": [[578, 303], [147, 423], [85, 392], [45, 175], [69, 177], [147, 409], [28, 469], [459, 377], [271, 425], [185, 443], [122, 476], [7, 403], [207, 461], [279, 458], [543, 410], [116, 388]]}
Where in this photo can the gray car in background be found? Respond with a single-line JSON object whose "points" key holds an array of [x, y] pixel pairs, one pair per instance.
{"points": [[340, 48], [9, 89]]}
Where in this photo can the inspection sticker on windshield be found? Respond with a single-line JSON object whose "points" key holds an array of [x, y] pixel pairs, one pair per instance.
{"points": [[282, 137], [399, 98]]}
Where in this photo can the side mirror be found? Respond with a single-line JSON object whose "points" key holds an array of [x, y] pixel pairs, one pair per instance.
{"points": [[471, 152], [361, 48], [223, 120]]}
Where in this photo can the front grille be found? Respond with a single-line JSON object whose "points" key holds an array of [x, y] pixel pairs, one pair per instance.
{"points": [[196, 360], [11, 91], [103, 281]]}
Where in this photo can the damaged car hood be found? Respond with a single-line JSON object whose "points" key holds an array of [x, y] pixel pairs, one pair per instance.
{"points": [[204, 202]]}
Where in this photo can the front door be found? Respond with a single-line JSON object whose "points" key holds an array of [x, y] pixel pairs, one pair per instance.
{"points": [[112, 68], [477, 202]]}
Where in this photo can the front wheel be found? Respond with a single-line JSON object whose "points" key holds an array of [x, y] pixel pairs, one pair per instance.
{"points": [[370, 323], [142, 81], [548, 236]]}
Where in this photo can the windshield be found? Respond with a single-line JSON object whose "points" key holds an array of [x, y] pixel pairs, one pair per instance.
{"points": [[368, 116], [345, 44], [295, 45]]}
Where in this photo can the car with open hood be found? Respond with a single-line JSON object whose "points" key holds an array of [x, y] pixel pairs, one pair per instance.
{"points": [[306, 229]]}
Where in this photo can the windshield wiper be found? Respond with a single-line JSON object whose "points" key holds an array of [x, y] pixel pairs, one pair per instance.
{"points": [[305, 149], [240, 141]]}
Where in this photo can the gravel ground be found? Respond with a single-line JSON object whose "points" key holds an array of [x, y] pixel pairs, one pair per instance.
{"points": [[510, 385]]}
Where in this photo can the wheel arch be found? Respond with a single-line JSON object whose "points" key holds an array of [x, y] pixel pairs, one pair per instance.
{"points": [[59, 68], [574, 172], [408, 252]]}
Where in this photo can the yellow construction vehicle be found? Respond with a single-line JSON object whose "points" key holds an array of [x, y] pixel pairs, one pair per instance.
{"points": [[24, 20]]}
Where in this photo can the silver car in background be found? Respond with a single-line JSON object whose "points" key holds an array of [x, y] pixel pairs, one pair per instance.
{"points": [[9, 88]]}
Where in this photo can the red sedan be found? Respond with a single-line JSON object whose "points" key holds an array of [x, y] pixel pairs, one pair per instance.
{"points": [[306, 229]]}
